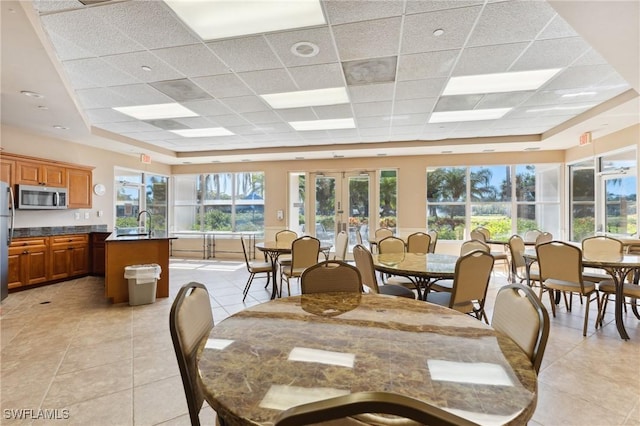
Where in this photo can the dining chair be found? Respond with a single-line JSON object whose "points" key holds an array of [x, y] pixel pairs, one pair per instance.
{"points": [[331, 276], [190, 322], [531, 235], [477, 235], [600, 247], [483, 234], [544, 237], [519, 264], [434, 240], [466, 248], [391, 245], [284, 237], [255, 268], [304, 253], [470, 283], [561, 268], [380, 234], [341, 244], [364, 263], [418, 242], [608, 288], [358, 408], [518, 313]]}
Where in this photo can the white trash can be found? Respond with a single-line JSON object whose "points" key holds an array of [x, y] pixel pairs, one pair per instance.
{"points": [[143, 282]]}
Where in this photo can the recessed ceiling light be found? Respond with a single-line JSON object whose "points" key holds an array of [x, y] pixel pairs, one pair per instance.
{"points": [[488, 150], [157, 111], [201, 133], [42, 107], [499, 82], [535, 148], [381, 154], [245, 160], [305, 98], [59, 127], [186, 162], [305, 49], [146, 68], [336, 123], [468, 115], [223, 18], [438, 32], [299, 158], [32, 94], [338, 156], [446, 152]]}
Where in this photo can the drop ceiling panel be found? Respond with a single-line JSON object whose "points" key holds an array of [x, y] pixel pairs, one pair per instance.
{"points": [[554, 53], [181, 90], [262, 117], [341, 11], [431, 6], [371, 92], [101, 98], [488, 59], [557, 28], [244, 104], [106, 115], [327, 112], [421, 65], [321, 76], [46, 6], [223, 86], [246, 54], [67, 50], [427, 88], [209, 107], [150, 23], [132, 63], [372, 109], [503, 100], [578, 77], [375, 39], [140, 94], [418, 30], [230, 120], [269, 81], [414, 106], [297, 114], [99, 72], [510, 22], [181, 58], [282, 44]]}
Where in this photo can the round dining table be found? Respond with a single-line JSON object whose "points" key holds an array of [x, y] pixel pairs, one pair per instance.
{"points": [[294, 350], [273, 250], [421, 268]]}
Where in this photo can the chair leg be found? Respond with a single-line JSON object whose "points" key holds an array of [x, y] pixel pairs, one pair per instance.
{"points": [[553, 302], [586, 316], [246, 287]]}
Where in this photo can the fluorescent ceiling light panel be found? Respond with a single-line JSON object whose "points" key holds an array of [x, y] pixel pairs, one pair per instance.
{"points": [[201, 133], [469, 115], [157, 111], [499, 82], [216, 19], [307, 98], [336, 123]]}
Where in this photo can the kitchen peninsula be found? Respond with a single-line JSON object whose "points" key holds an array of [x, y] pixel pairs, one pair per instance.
{"points": [[127, 250]]}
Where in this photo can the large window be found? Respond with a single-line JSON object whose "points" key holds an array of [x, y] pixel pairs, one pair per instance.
{"points": [[137, 191], [388, 199], [582, 200], [504, 199], [219, 202], [619, 189]]}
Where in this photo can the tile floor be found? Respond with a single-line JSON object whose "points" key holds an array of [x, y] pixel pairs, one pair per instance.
{"points": [[66, 350]]}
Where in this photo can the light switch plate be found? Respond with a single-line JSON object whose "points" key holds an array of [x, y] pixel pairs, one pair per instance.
{"points": [[86, 215], [77, 215]]}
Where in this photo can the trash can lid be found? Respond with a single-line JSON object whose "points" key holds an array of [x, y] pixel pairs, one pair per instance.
{"points": [[142, 271]]}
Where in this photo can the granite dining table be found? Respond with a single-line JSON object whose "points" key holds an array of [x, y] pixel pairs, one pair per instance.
{"points": [[290, 351]]}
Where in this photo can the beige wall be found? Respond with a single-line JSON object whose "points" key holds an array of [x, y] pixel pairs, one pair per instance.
{"points": [[622, 139], [16, 141]]}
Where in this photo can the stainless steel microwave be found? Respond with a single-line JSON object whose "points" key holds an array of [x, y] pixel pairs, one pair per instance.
{"points": [[41, 197]]}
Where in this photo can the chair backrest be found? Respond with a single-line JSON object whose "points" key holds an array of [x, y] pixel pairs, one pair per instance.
{"points": [[561, 261], [473, 245], [358, 235], [304, 252], [471, 280], [601, 247], [190, 322], [478, 236], [364, 263], [286, 236], [633, 249], [418, 242], [519, 314], [331, 276], [544, 237], [391, 245], [516, 248], [244, 250], [531, 235], [342, 241], [433, 242], [357, 403], [484, 231], [382, 233]]}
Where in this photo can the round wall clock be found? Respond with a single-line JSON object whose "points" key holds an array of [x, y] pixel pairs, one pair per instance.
{"points": [[99, 189]]}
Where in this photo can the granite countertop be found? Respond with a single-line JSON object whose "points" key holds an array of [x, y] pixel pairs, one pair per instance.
{"points": [[156, 235], [47, 231]]}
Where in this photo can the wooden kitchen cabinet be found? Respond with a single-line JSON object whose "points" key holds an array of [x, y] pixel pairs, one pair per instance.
{"points": [[7, 171], [35, 173], [69, 256], [28, 261], [98, 252], [79, 182]]}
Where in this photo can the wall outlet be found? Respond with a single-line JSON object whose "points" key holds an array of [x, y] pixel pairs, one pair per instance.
{"points": [[280, 215], [86, 215], [100, 213], [77, 215]]}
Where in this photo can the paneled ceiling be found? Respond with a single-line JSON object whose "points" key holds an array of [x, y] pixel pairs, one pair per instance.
{"points": [[394, 58]]}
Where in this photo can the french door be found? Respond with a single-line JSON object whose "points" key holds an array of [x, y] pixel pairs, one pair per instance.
{"points": [[620, 207], [340, 201]]}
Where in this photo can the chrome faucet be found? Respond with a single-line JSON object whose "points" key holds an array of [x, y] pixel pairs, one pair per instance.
{"points": [[149, 220]]}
